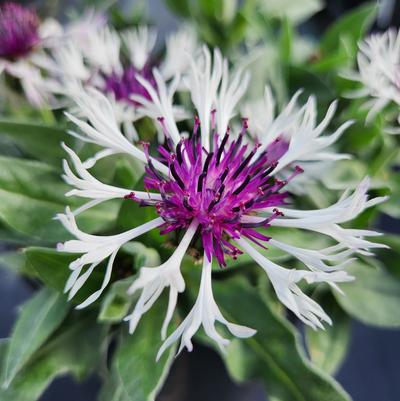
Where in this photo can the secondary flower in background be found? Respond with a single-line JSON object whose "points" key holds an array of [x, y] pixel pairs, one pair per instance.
{"points": [[215, 185], [23, 39], [116, 64], [378, 72]]}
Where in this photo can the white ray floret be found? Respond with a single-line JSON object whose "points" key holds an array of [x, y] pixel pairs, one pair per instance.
{"points": [[265, 125], [326, 221], [179, 46], [161, 104], [153, 280], [104, 130], [203, 81], [229, 94], [95, 249], [306, 142], [87, 186], [103, 49], [140, 43], [285, 282], [205, 312]]}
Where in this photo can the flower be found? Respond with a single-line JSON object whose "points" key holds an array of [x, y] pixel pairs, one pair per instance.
{"points": [[19, 27], [118, 65], [213, 186], [23, 39], [378, 71]]}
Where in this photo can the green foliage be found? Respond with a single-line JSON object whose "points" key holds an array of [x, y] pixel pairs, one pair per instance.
{"points": [[76, 348], [135, 375], [52, 268], [37, 140], [34, 190], [39, 317], [262, 36], [274, 354], [328, 348], [295, 11], [373, 298]]}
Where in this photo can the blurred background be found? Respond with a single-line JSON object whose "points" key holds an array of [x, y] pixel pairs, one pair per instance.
{"points": [[371, 371]]}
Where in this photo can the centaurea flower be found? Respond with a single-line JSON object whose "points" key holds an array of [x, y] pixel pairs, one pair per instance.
{"points": [[378, 71], [23, 39], [217, 188], [117, 64]]}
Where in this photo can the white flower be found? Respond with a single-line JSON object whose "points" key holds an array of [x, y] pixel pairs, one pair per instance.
{"points": [[221, 189], [378, 71]]}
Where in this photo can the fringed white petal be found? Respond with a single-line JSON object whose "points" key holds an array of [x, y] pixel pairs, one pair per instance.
{"points": [[161, 104], [139, 42], [306, 142], [87, 186], [179, 46], [265, 126], [229, 95], [104, 130], [203, 82], [378, 60], [205, 312], [285, 282], [95, 249], [153, 280], [103, 49]]}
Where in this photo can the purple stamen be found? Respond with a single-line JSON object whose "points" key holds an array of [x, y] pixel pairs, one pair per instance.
{"points": [[217, 188]]}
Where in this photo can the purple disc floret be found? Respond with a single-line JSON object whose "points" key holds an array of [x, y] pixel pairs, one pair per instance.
{"points": [[124, 85], [217, 188], [19, 30]]}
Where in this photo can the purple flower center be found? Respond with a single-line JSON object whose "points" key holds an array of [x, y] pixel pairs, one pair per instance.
{"points": [[217, 188], [18, 30], [124, 85]]}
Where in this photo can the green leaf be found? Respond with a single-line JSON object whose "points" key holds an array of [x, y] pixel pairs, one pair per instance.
{"points": [[136, 376], [76, 348], [179, 7], [52, 268], [40, 317], [389, 257], [327, 348], [143, 255], [127, 172], [373, 298], [116, 303], [349, 29], [37, 140], [274, 354], [312, 84], [286, 40], [295, 11], [32, 193], [14, 261]]}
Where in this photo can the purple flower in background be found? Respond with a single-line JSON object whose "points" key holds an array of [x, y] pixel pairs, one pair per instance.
{"points": [[124, 85], [19, 31]]}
